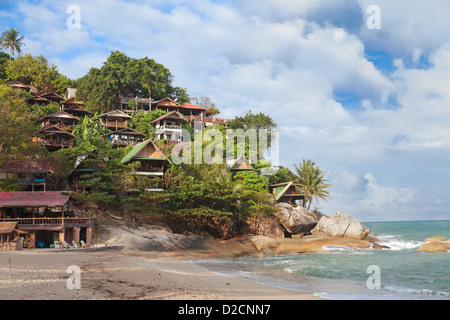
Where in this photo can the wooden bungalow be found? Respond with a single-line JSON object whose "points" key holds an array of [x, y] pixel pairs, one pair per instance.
{"points": [[288, 192], [10, 236], [152, 160], [60, 119], [115, 120], [75, 108], [19, 85], [31, 174], [240, 163], [127, 94], [37, 100], [169, 127], [45, 216], [165, 104], [54, 97], [126, 136], [54, 138]]}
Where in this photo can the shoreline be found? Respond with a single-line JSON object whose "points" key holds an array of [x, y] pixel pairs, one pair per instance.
{"points": [[110, 274]]}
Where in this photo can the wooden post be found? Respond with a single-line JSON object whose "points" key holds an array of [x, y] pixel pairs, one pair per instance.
{"points": [[89, 232]]}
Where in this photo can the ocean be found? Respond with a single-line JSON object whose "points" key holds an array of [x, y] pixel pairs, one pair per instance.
{"points": [[342, 273]]}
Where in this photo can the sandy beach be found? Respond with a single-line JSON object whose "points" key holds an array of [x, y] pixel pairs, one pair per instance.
{"points": [[110, 274]]}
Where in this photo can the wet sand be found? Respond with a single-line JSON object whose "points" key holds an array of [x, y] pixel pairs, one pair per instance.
{"points": [[109, 274]]}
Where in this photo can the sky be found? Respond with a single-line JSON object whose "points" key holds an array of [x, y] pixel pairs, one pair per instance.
{"points": [[361, 87]]}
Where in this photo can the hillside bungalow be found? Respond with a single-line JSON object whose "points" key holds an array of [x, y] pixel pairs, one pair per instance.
{"points": [[74, 107], [60, 119], [45, 217], [114, 120], [288, 192], [126, 136], [19, 85], [127, 94], [37, 100], [169, 127], [51, 96], [239, 163], [31, 174], [54, 138], [152, 160], [165, 104]]}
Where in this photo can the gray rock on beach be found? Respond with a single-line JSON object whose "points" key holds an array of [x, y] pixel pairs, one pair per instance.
{"points": [[296, 220], [341, 225]]}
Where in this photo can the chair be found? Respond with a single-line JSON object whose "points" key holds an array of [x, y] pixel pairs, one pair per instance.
{"points": [[75, 244], [57, 244], [65, 245], [83, 244]]}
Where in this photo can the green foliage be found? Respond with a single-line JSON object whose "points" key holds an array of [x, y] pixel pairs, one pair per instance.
{"points": [[283, 175], [10, 184], [37, 72], [252, 181], [142, 121], [313, 180], [39, 111], [10, 40], [4, 58], [16, 127], [99, 87]]}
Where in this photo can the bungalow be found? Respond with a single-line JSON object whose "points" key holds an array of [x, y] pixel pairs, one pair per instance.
{"points": [[239, 163], [31, 174], [288, 192], [19, 85], [37, 100], [54, 138], [152, 160], [165, 104], [169, 127], [60, 119], [114, 120], [126, 136], [127, 94], [74, 107], [45, 217], [54, 97]]}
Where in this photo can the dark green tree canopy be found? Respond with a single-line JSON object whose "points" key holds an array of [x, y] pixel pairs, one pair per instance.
{"points": [[147, 77]]}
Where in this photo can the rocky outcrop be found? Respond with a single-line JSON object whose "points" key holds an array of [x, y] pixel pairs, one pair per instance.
{"points": [[340, 225], [435, 244], [266, 227], [296, 220], [307, 244]]}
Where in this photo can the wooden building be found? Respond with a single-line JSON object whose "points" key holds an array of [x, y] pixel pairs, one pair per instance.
{"points": [[127, 94], [60, 119], [152, 160], [31, 174], [288, 192], [168, 126], [45, 216], [125, 137], [114, 120], [54, 138], [75, 108]]}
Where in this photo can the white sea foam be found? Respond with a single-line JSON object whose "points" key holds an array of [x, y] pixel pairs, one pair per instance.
{"points": [[395, 242]]}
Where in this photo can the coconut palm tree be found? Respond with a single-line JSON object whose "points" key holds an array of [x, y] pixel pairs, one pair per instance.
{"points": [[312, 179], [10, 40]]}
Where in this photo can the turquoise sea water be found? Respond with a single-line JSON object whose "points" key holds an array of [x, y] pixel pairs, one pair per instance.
{"points": [[397, 273]]}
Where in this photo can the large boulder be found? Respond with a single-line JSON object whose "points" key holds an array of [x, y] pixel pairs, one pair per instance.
{"points": [[296, 219], [265, 227], [341, 225], [435, 244]]}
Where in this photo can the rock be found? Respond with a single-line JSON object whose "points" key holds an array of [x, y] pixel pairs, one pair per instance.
{"points": [[312, 244], [434, 247], [435, 239], [295, 219], [341, 225], [261, 242], [266, 227]]}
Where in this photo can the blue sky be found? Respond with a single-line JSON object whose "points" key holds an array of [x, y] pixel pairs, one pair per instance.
{"points": [[370, 106]]}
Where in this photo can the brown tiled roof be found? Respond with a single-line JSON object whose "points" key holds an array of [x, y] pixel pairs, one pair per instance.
{"points": [[7, 227], [30, 199]]}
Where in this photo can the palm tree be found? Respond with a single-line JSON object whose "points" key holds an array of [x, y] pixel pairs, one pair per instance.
{"points": [[312, 179], [10, 39]]}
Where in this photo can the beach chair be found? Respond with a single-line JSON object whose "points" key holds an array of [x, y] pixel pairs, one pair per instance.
{"points": [[75, 244], [57, 244], [65, 245], [83, 244]]}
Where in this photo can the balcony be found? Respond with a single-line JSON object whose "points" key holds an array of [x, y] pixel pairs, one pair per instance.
{"points": [[35, 223]]}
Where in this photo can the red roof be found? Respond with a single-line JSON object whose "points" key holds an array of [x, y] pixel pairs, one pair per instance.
{"points": [[27, 199], [191, 106]]}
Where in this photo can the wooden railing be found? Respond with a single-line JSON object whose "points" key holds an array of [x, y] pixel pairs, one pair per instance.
{"points": [[52, 221]]}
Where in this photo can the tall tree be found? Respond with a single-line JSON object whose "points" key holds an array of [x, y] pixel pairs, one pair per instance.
{"points": [[10, 40], [313, 180]]}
